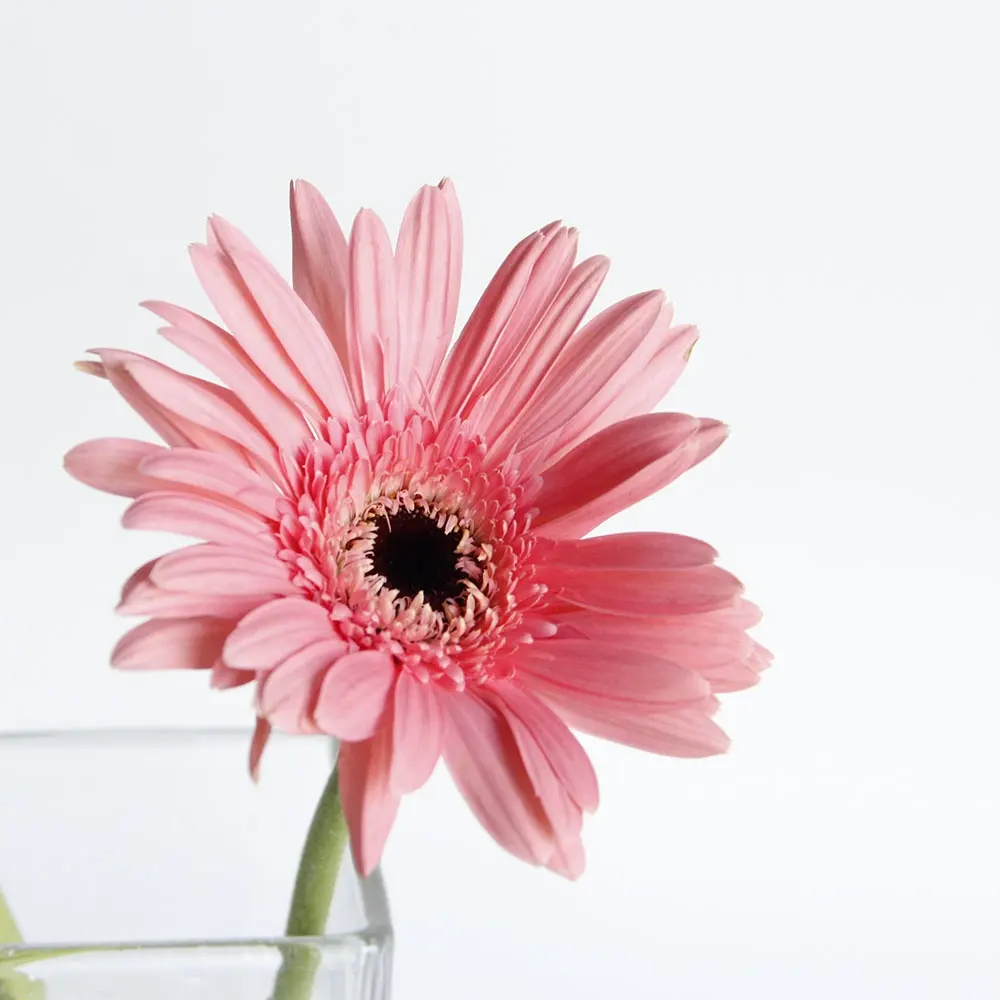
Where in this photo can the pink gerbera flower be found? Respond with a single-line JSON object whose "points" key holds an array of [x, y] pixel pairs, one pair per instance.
{"points": [[392, 534]]}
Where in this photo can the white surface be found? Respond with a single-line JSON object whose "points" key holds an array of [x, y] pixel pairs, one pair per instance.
{"points": [[816, 186]]}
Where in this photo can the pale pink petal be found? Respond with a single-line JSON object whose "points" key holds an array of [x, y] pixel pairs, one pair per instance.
{"points": [[141, 597], [373, 311], [484, 761], [222, 355], [241, 314], [169, 426], [639, 385], [620, 466], [199, 517], [632, 550], [548, 275], [642, 591], [352, 701], [679, 732], [511, 400], [299, 332], [479, 337], [112, 465], [631, 678], [202, 403], [287, 695], [594, 358], [261, 734], [370, 804], [568, 760], [320, 262], [423, 273], [454, 212], [417, 733], [568, 859], [214, 473], [274, 631], [212, 569], [172, 644]]}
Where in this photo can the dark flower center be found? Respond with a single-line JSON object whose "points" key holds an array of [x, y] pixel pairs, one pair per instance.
{"points": [[414, 554]]}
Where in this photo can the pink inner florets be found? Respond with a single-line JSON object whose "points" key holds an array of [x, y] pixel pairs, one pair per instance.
{"points": [[354, 477]]}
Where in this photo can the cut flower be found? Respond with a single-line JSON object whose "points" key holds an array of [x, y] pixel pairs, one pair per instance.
{"points": [[391, 528]]}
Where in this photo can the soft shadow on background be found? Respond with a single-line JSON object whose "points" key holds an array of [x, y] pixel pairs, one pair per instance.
{"points": [[816, 187]]}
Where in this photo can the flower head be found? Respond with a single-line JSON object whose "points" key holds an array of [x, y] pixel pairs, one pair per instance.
{"points": [[391, 532]]}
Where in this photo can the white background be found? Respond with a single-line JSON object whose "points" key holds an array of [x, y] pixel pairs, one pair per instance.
{"points": [[817, 186]]}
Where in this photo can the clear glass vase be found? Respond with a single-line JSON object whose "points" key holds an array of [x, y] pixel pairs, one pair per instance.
{"points": [[148, 866]]}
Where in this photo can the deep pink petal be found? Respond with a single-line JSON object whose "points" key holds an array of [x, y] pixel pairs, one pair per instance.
{"points": [[226, 569], [618, 467], [352, 701], [112, 465], [172, 644], [417, 733], [275, 630], [225, 678], [319, 262], [261, 734], [370, 804], [485, 762], [199, 517]]}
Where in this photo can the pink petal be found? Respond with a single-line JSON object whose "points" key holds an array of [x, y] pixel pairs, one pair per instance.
{"points": [[679, 732], [226, 288], [225, 678], [601, 672], [568, 859], [640, 383], [417, 734], [373, 312], [632, 550], [511, 398], [212, 568], [485, 762], [319, 263], [144, 598], [172, 644], [112, 465], [169, 426], [481, 333], [355, 691], [287, 694], [591, 362], [298, 331], [620, 466], [567, 759], [274, 631], [222, 355], [261, 734], [454, 213], [548, 275], [214, 473], [423, 272], [642, 591], [199, 517], [370, 805], [203, 404]]}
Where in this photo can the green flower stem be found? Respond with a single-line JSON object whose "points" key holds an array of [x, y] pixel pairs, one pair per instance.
{"points": [[322, 854], [9, 932]]}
